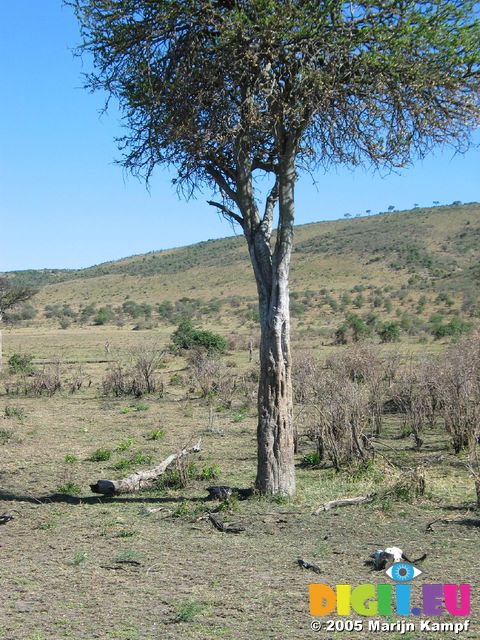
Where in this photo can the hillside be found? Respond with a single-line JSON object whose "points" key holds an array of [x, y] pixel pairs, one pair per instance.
{"points": [[405, 265]]}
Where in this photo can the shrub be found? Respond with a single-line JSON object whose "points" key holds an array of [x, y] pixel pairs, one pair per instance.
{"points": [[455, 328], [20, 363], [125, 444], [100, 455], [312, 459], [187, 337], [137, 379], [70, 488], [48, 381], [358, 327], [14, 412], [341, 334], [5, 435], [157, 434], [353, 327], [210, 375], [389, 332], [186, 611], [104, 315], [210, 472]]}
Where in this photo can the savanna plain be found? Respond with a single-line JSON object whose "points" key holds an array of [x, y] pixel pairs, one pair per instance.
{"points": [[97, 384]]}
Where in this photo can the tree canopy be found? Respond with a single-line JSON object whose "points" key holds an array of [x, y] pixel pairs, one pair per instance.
{"points": [[210, 86], [11, 295]]}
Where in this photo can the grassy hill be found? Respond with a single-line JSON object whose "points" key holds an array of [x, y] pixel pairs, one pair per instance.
{"points": [[402, 266]]}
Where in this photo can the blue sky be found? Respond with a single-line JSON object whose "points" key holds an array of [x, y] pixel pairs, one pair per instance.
{"points": [[63, 201]]}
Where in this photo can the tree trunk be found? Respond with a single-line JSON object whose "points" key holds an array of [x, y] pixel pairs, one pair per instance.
{"points": [[275, 470], [275, 432]]}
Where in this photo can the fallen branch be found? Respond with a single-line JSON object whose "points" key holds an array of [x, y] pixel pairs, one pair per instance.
{"points": [[221, 526], [343, 502], [308, 565], [141, 479], [429, 526]]}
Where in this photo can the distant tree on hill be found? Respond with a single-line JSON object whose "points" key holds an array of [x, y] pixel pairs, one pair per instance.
{"points": [[391, 207], [224, 91], [10, 296]]}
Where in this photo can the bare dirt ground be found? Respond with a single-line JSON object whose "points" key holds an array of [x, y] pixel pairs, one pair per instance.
{"points": [[83, 566]]}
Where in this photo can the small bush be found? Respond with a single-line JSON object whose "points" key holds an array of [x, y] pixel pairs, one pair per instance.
{"points": [[5, 435], [389, 332], [455, 328], [104, 315], [157, 434], [48, 381], [70, 458], [141, 458], [186, 611], [123, 464], [137, 379], [125, 444], [210, 472], [14, 412], [187, 337], [313, 459], [20, 363], [100, 455], [70, 488]]}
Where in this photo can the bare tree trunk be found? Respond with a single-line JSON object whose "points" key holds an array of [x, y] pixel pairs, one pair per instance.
{"points": [[275, 431], [275, 467]]}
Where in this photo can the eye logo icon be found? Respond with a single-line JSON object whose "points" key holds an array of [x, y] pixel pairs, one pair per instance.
{"points": [[402, 572]]}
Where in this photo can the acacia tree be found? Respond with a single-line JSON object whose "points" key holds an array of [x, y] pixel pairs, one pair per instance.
{"points": [[226, 90], [10, 296]]}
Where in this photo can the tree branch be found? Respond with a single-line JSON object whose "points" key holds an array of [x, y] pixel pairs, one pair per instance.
{"points": [[222, 183], [226, 211], [270, 203]]}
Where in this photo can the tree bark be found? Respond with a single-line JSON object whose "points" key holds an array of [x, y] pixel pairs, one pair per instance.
{"points": [[275, 432]]}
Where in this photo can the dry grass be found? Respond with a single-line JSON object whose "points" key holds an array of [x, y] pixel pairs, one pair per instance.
{"points": [[61, 557]]}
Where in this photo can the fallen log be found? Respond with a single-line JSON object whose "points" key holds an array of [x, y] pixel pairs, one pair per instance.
{"points": [[141, 479], [343, 502]]}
